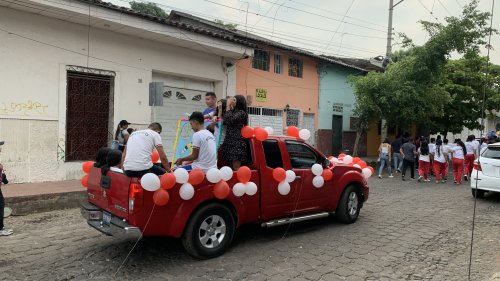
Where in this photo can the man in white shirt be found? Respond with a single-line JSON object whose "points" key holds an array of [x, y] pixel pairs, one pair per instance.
{"points": [[137, 155], [204, 151]]}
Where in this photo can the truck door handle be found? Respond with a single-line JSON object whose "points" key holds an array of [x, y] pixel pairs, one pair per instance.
{"points": [[298, 177]]}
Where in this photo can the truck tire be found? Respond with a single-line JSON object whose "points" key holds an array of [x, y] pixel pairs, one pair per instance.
{"points": [[209, 231], [349, 205], [480, 193]]}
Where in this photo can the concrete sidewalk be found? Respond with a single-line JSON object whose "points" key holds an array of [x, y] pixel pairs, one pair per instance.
{"points": [[28, 198]]}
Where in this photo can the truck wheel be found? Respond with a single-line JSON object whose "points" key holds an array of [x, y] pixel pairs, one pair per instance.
{"points": [[349, 205], [209, 232], [480, 193]]}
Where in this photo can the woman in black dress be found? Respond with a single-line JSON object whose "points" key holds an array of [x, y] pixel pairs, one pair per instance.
{"points": [[234, 149]]}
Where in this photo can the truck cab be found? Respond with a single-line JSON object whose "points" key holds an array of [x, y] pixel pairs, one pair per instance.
{"points": [[119, 206]]}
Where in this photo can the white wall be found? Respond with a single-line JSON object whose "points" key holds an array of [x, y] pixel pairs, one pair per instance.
{"points": [[33, 91]]}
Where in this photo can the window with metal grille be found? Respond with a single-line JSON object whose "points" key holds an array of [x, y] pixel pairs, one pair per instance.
{"points": [[167, 94], [180, 96], [294, 67], [292, 117], [260, 60], [277, 64], [196, 98]]}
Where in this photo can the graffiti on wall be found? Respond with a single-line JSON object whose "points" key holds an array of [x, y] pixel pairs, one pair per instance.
{"points": [[28, 108]]}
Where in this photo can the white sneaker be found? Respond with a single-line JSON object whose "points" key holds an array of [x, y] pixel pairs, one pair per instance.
{"points": [[391, 176], [379, 176], [6, 232]]}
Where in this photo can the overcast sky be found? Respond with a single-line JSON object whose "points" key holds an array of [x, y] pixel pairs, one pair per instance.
{"points": [[347, 28]]}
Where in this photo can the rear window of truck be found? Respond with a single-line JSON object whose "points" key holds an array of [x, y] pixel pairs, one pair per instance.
{"points": [[273, 154]]}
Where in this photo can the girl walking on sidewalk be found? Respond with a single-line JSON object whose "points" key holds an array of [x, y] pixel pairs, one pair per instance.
{"points": [[440, 159], [458, 153], [385, 152], [424, 160], [471, 148]]}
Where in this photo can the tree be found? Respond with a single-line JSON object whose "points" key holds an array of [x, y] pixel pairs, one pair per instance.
{"points": [[148, 8], [410, 90], [230, 26]]}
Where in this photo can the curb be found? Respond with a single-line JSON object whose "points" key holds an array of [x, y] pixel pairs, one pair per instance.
{"points": [[25, 205]]}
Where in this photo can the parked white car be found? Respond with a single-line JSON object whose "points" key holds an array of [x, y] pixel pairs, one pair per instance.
{"points": [[487, 171]]}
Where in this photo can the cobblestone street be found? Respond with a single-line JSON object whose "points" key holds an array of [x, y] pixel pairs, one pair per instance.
{"points": [[406, 231]]}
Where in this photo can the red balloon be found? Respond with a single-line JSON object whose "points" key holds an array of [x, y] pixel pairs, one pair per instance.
{"points": [[244, 174], [279, 174], [355, 160], [161, 197], [85, 180], [327, 174], [362, 164], [155, 156], [371, 169], [261, 134], [87, 166], [221, 190], [167, 181], [293, 131], [330, 158], [341, 155], [196, 176], [247, 132]]}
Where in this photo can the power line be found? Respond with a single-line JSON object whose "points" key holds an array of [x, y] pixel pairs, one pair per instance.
{"points": [[430, 12], [290, 22], [330, 18], [332, 12], [444, 7], [340, 24]]}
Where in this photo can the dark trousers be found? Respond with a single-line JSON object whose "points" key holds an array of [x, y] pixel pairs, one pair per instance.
{"points": [[406, 164], [157, 170], [2, 205]]}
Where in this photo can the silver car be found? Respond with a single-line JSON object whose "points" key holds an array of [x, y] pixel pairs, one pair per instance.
{"points": [[486, 171]]}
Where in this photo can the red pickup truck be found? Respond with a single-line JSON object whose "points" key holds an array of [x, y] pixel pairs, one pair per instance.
{"points": [[119, 206]]}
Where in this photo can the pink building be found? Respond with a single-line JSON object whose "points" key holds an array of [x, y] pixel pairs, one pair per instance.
{"points": [[282, 88]]}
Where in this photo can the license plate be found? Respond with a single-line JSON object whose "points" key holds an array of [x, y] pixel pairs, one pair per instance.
{"points": [[106, 217]]}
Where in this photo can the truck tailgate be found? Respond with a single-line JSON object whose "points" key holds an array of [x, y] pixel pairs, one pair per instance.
{"points": [[111, 196]]}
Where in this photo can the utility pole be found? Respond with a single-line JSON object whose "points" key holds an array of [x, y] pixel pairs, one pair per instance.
{"points": [[388, 51]]}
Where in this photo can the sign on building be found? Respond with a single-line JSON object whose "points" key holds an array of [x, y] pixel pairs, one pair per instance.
{"points": [[261, 95]]}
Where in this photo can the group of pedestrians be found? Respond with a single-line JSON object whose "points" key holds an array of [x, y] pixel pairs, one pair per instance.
{"points": [[431, 157]]}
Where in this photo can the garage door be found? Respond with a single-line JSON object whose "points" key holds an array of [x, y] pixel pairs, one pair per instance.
{"points": [[309, 124], [180, 98], [266, 117]]}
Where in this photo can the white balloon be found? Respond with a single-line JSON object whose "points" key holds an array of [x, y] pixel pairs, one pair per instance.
{"points": [[366, 173], [269, 130], [357, 166], [334, 160], [150, 182], [290, 176], [186, 191], [317, 169], [239, 189], [250, 188], [318, 181], [347, 159], [304, 134], [214, 175], [284, 188], [226, 173], [181, 175]]}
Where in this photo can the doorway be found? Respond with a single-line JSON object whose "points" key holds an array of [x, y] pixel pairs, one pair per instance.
{"points": [[336, 134], [87, 114]]}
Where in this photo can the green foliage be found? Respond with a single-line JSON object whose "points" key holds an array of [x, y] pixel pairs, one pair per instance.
{"points": [[230, 26], [148, 8], [412, 90]]}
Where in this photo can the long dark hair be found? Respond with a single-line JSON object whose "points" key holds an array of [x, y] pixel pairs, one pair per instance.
{"points": [[439, 142], [461, 143], [241, 104], [471, 138], [100, 158], [424, 148], [114, 158], [223, 108]]}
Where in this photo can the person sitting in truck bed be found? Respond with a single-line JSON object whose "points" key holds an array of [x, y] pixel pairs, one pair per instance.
{"points": [[113, 160], [100, 159], [204, 149], [137, 154]]}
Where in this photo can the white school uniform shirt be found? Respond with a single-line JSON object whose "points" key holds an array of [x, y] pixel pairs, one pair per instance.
{"points": [[458, 152], [115, 169], [140, 146], [425, 158], [440, 158], [470, 147], [207, 157], [432, 147]]}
